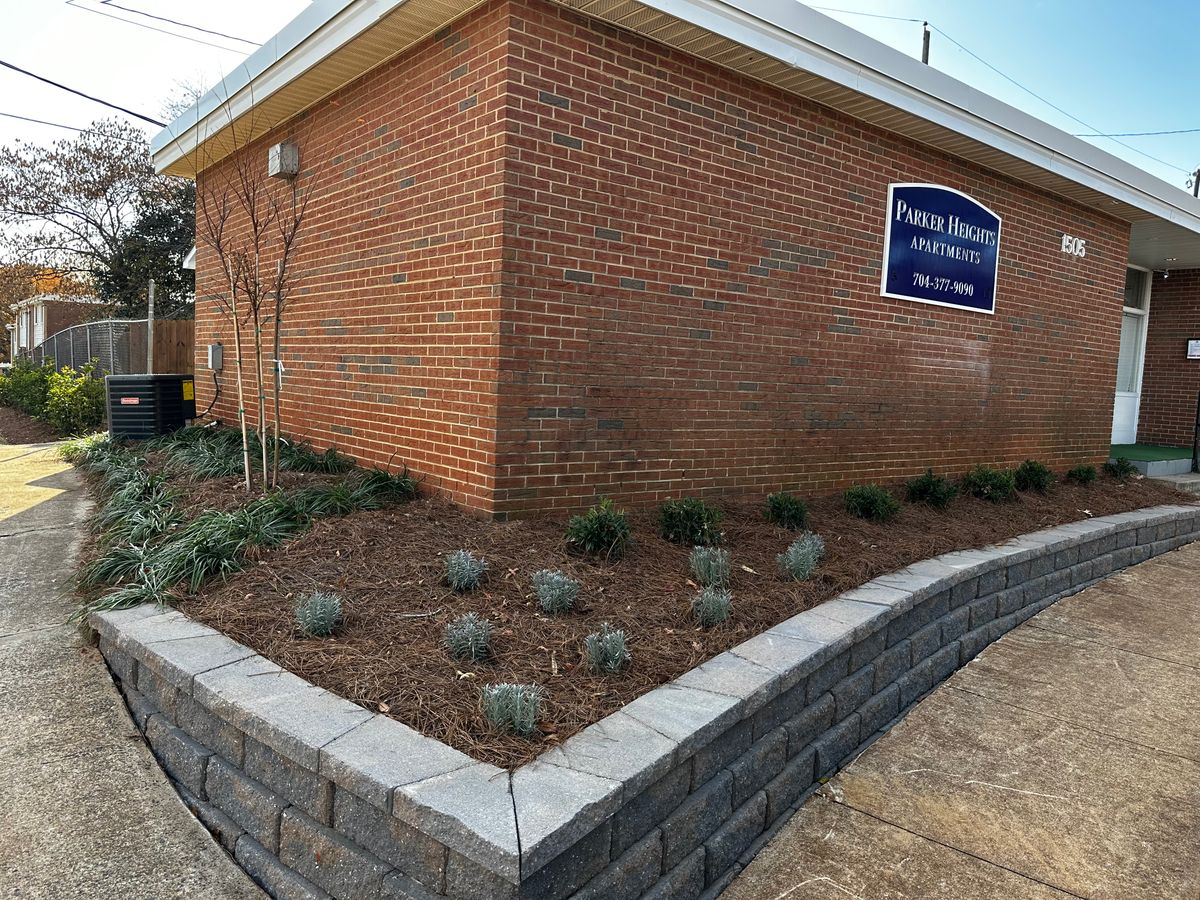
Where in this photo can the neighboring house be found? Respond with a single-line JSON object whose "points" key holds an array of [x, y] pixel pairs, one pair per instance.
{"points": [[43, 315], [563, 250]]}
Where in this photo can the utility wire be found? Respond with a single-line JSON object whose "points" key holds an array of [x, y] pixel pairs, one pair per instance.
{"points": [[182, 37], [1138, 133], [851, 12], [71, 90], [220, 34], [9, 115]]}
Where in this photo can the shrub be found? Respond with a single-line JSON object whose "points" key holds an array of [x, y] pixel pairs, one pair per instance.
{"points": [[800, 559], [712, 606], [602, 530], [710, 566], [556, 591], [77, 451], [1082, 474], [606, 650], [512, 707], [932, 490], [376, 485], [986, 483], [469, 637], [1033, 476], [464, 571], [26, 387], [689, 521], [318, 614], [74, 401], [1120, 468], [870, 501], [786, 511]]}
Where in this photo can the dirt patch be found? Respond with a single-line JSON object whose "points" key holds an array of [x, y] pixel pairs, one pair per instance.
{"points": [[387, 566], [18, 428]]}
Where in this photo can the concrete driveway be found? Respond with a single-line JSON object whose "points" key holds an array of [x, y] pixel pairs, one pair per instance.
{"points": [[1062, 762], [85, 811]]}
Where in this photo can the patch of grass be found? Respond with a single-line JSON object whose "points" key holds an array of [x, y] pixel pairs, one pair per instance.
{"points": [[993, 485], [870, 501], [799, 560], [606, 650], [1033, 476], [513, 708], [1082, 474], [786, 511], [932, 490], [689, 521], [601, 531]]}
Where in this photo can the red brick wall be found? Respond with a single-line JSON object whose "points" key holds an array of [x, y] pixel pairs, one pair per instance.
{"points": [[626, 272], [692, 283], [391, 340], [1171, 381], [61, 314]]}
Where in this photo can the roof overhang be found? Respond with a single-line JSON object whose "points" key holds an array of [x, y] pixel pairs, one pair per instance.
{"points": [[780, 42]]}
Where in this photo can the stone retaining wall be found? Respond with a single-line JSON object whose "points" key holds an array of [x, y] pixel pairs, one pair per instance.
{"points": [[669, 797]]}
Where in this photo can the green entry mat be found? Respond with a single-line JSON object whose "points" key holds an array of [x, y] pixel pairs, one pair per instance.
{"points": [[1149, 452]]}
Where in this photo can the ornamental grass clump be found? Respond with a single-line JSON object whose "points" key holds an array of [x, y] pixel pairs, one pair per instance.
{"points": [[689, 521], [712, 606], [607, 650], [1120, 468], [601, 531], [800, 559], [710, 566], [469, 637], [318, 614], [1082, 474], [1033, 476], [930, 489], [556, 591], [870, 501], [512, 708], [993, 485], [786, 511], [464, 571]]}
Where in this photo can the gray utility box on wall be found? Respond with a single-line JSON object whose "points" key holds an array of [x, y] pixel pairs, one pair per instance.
{"points": [[145, 406]]}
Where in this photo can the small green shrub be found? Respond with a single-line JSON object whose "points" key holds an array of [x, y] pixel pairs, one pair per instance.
{"points": [[74, 401], [870, 501], [712, 606], [994, 485], [786, 511], [378, 486], [26, 387], [1082, 474], [1033, 476], [710, 566], [77, 450], [512, 708], [800, 559], [556, 591], [930, 489], [1120, 468], [606, 650], [603, 531], [469, 637], [464, 571], [318, 614], [689, 521]]}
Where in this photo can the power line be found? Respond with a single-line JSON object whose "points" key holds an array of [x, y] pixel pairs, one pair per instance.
{"points": [[138, 12], [9, 115], [851, 12], [71, 90], [182, 37], [1138, 133]]}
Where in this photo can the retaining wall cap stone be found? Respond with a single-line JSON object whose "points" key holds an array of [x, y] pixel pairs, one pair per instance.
{"points": [[381, 754], [790, 658], [111, 622], [178, 662], [617, 747], [166, 626], [470, 810], [556, 806], [685, 715], [734, 676]]}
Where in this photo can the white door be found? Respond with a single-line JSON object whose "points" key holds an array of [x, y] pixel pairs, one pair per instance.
{"points": [[1131, 356]]}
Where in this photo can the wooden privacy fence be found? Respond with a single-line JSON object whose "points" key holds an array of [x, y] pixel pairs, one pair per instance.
{"points": [[118, 346]]}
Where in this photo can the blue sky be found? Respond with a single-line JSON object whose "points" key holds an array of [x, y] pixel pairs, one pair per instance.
{"points": [[1117, 65]]}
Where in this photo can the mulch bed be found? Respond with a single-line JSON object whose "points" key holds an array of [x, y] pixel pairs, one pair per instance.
{"points": [[18, 428], [387, 567]]}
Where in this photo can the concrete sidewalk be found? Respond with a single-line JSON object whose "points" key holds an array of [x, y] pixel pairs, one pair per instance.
{"points": [[85, 811], [1063, 762]]}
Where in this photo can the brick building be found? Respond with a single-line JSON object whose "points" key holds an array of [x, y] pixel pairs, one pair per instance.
{"points": [[560, 250]]}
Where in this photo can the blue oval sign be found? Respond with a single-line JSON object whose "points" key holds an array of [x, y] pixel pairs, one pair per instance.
{"points": [[940, 246]]}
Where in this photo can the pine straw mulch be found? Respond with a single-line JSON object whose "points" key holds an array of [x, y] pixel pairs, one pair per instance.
{"points": [[18, 428], [387, 567]]}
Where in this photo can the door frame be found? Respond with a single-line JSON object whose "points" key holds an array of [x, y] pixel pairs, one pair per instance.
{"points": [[1144, 313]]}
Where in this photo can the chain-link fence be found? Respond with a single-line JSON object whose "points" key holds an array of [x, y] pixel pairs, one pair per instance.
{"points": [[107, 343]]}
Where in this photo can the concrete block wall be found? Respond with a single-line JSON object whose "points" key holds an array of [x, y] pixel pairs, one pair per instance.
{"points": [[668, 797]]}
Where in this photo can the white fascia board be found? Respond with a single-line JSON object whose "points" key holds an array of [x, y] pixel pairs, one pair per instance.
{"points": [[801, 37], [313, 35]]}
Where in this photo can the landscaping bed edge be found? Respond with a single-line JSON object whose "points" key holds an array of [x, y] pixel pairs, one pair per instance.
{"points": [[669, 793]]}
